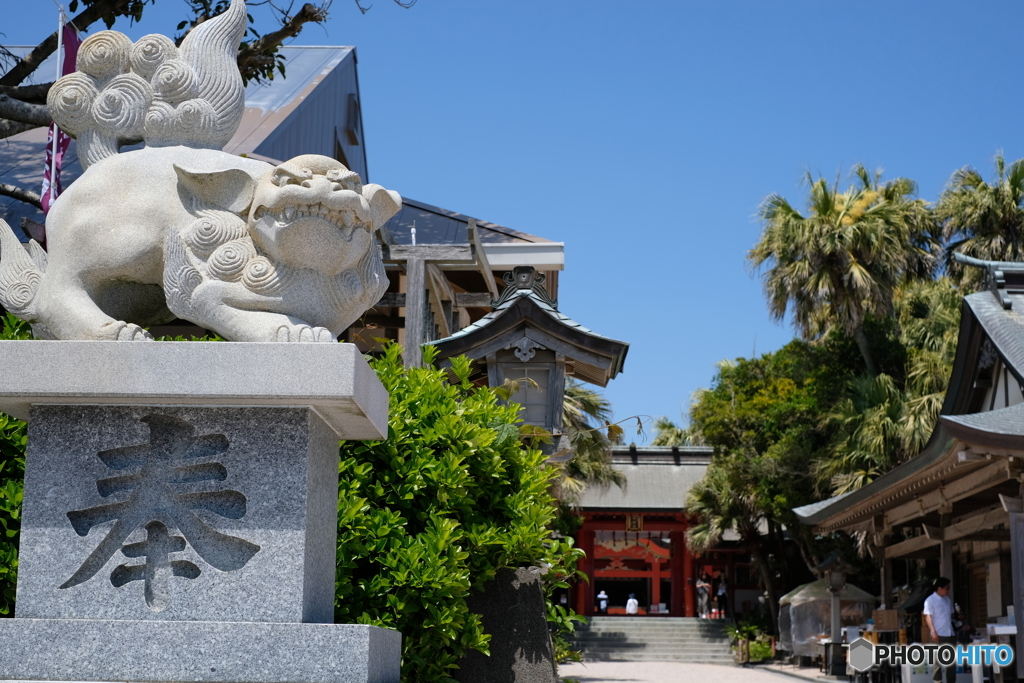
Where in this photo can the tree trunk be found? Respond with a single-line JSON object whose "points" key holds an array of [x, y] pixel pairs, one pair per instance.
{"points": [[769, 585], [865, 350]]}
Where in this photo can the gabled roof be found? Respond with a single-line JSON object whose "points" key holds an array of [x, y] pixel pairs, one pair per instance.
{"points": [[528, 312], [989, 332]]}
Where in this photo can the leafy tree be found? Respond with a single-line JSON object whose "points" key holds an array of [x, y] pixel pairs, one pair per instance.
{"points": [[887, 419], [844, 261], [760, 416], [981, 219]]}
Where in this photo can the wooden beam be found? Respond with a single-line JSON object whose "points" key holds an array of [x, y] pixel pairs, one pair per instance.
{"points": [[428, 252], [908, 546], [967, 528], [415, 312], [435, 293], [967, 485], [481, 259], [445, 291], [990, 535], [394, 322], [969, 456], [472, 299]]}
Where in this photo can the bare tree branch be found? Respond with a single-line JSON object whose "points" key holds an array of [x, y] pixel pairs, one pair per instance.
{"points": [[9, 128], [28, 93], [252, 56], [28, 196], [24, 112], [83, 20]]}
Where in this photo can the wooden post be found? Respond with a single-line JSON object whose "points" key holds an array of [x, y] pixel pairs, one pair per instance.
{"points": [[887, 582], [682, 576], [946, 564], [655, 583], [946, 557], [415, 310], [585, 589], [1015, 507]]}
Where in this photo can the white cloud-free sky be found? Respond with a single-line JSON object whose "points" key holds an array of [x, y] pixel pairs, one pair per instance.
{"points": [[645, 135]]}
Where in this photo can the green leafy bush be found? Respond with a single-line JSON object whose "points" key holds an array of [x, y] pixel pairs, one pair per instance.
{"points": [[12, 474], [435, 511]]}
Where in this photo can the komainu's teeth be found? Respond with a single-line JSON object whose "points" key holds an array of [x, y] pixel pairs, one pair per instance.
{"points": [[289, 213]]}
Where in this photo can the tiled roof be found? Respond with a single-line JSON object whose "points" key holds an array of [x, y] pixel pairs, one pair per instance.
{"points": [[655, 479]]}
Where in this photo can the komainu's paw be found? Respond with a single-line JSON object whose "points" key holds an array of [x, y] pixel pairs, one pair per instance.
{"points": [[132, 332], [304, 333]]}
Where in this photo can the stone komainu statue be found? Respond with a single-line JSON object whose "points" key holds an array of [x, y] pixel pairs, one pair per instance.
{"points": [[179, 228]]}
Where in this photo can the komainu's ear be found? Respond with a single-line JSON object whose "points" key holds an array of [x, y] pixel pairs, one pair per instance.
{"points": [[383, 203], [231, 189]]}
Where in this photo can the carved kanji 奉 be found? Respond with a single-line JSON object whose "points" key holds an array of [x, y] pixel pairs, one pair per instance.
{"points": [[156, 469]]}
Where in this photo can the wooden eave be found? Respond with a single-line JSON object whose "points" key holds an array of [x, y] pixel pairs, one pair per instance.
{"points": [[940, 478]]}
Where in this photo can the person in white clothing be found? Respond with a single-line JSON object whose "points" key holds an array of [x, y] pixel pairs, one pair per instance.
{"points": [[938, 614], [632, 606], [602, 602]]}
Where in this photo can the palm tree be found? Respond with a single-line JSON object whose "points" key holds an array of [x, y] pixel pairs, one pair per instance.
{"points": [[591, 464], [880, 423], [719, 502], [982, 220], [668, 433], [846, 258]]}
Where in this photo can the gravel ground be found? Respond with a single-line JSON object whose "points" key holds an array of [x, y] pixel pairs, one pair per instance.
{"points": [[666, 672]]}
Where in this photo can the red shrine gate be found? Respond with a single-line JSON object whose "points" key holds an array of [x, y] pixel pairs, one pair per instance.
{"points": [[642, 554]]}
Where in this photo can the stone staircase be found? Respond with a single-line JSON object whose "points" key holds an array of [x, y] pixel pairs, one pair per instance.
{"points": [[653, 639]]}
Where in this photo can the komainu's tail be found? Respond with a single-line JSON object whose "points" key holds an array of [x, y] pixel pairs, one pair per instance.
{"points": [[154, 91], [21, 272]]}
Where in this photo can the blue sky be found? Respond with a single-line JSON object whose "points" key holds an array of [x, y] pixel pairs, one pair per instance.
{"points": [[645, 135]]}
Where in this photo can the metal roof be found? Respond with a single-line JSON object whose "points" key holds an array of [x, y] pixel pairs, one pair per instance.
{"points": [[657, 478], [435, 225]]}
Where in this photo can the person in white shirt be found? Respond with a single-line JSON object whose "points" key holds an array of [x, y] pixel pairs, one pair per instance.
{"points": [[938, 614], [602, 602], [632, 606]]}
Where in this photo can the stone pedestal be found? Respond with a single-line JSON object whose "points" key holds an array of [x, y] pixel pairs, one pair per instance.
{"points": [[180, 514], [514, 614]]}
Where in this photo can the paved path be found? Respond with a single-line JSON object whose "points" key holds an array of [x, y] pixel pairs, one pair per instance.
{"points": [[666, 672]]}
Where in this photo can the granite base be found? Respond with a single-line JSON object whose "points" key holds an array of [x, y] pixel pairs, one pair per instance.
{"points": [[215, 652]]}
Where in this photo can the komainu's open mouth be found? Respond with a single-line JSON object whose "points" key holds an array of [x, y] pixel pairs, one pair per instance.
{"points": [[289, 214]]}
